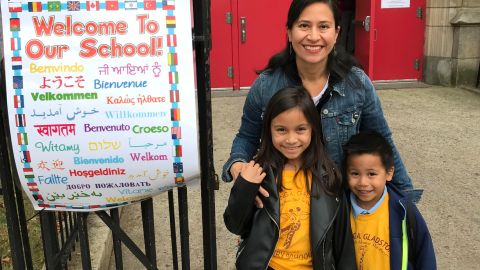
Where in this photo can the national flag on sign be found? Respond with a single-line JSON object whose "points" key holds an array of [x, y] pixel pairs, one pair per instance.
{"points": [[34, 6], [174, 96], [177, 151], [179, 179], [171, 21], [20, 120], [172, 40], [172, 59], [173, 77], [168, 5], [131, 4], [38, 198], [18, 101], [22, 138], [15, 24], [15, 44], [178, 167], [176, 133], [73, 5], [93, 5], [16, 62], [14, 6], [150, 4], [17, 82], [54, 6], [111, 5], [28, 172], [25, 156], [175, 114]]}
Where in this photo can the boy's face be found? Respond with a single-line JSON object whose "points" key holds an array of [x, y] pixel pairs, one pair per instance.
{"points": [[367, 178]]}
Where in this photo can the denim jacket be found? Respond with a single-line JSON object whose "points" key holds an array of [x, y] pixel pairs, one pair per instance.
{"points": [[353, 106]]}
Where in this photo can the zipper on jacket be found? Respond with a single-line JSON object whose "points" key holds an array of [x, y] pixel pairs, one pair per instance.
{"points": [[405, 246], [323, 254], [240, 251], [278, 236], [326, 232]]}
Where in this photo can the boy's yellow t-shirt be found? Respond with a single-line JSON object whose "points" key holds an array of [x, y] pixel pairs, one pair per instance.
{"points": [[371, 234], [293, 249]]}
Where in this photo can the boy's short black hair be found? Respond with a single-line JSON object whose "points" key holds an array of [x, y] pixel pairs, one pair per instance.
{"points": [[369, 142]]}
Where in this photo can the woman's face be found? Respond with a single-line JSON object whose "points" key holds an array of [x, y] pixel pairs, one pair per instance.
{"points": [[313, 35]]}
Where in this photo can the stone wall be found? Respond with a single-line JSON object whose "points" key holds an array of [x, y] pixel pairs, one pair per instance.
{"points": [[452, 43]]}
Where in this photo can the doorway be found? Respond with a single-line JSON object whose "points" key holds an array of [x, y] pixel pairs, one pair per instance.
{"points": [[386, 36]]}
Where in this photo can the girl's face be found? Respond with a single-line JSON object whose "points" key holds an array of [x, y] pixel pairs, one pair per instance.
{"points": [[313, 34], [291, 135]]}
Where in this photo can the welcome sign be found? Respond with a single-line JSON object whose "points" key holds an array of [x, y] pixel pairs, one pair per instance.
{"points": [[101, 100]]}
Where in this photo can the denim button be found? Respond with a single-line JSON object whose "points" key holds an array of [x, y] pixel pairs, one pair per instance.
{"points": [[325, 111]]}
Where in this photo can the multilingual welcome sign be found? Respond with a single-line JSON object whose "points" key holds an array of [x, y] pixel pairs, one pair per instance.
{"points": [[101, 100]]}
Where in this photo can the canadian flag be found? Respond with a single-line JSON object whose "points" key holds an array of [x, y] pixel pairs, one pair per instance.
{"points": [[93, 5]]}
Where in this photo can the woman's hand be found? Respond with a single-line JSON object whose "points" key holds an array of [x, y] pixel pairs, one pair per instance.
{"points": [[237, 168]]}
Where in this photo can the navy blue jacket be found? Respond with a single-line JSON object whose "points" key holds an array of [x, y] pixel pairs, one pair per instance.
{"points": [[424, 253]]}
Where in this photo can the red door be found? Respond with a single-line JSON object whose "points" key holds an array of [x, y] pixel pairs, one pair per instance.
{"points": [[264, 33], [392, 48], [255, 32], [221, 55]]}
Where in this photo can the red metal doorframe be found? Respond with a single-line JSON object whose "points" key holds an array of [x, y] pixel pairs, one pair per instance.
{"points": [[235, 42]]}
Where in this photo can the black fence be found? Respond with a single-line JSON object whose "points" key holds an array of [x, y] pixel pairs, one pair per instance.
{"points": [[63, 232]]}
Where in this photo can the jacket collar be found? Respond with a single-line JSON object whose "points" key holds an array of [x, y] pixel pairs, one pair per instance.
{"points": [[336, 84]]}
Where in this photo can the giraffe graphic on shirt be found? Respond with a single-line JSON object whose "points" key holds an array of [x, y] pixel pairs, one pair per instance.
{"points": [[293, 227]]}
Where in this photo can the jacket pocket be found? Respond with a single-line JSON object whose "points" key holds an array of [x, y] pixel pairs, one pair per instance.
{"points": [[347, 124]]}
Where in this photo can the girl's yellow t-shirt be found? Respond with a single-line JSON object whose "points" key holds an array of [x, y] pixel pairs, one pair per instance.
{"points": [[293, 249]]}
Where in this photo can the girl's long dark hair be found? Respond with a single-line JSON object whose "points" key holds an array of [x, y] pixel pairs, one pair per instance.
{"points": [[314, 159], [339, 62]]}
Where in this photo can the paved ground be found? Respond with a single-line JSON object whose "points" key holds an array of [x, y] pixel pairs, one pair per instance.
{"points": [[437, 131]]}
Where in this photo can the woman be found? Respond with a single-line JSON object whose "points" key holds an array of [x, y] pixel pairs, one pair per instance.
{"points": [[345, 97]]}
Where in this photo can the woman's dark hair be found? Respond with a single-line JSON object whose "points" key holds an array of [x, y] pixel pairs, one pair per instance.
{"points": [[314, 158], [369, 142], [339, 61]]}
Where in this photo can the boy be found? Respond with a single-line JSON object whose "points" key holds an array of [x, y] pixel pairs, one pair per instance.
{"points": [[379, 210]]}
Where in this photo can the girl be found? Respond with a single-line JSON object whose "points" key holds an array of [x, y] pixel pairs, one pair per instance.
{"points": [[304, 221]]}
